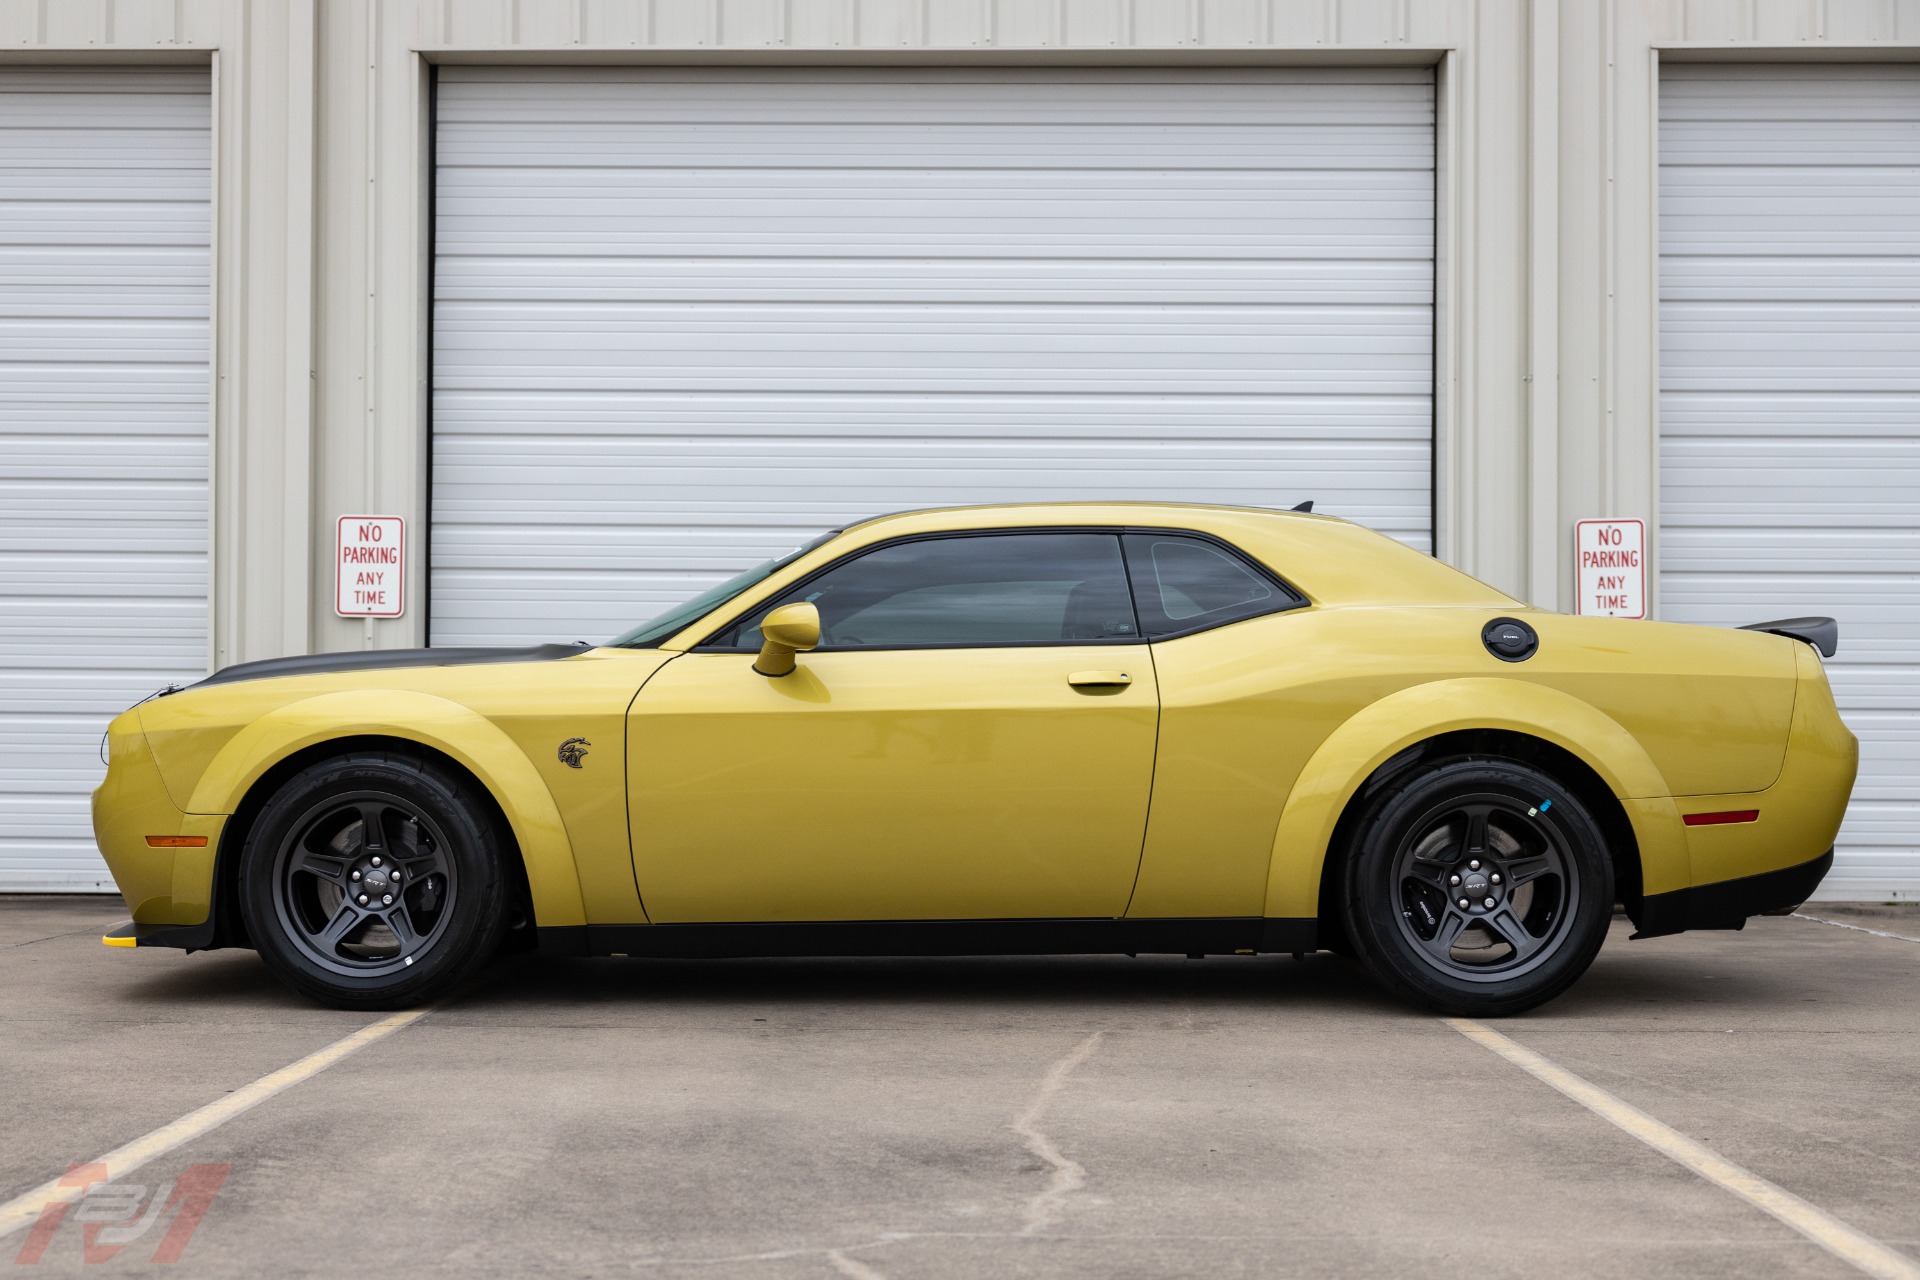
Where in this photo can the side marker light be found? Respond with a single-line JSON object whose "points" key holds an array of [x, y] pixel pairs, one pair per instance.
{"points": [[1721, 819], [176, 842]]}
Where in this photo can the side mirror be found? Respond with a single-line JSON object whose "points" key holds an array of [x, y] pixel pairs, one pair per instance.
{"points": [[790, 629]]}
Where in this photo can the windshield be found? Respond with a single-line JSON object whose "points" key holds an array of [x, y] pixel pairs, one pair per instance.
{"points": [[654, 630]]}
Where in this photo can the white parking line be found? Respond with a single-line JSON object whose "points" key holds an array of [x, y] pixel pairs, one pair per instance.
{"points": [[1817, 1225], [23, 1209], [1840, 924]]}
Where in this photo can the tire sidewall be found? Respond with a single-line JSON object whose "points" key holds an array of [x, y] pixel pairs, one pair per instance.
{"points": [[1371, 897], [477, 914]]}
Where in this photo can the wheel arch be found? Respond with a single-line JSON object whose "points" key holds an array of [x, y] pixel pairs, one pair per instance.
{"points": [[1581, 746], [263, 755]]}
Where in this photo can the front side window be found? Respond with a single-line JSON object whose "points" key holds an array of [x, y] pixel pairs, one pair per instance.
{"points": [[1186, 584], [983, 589]]}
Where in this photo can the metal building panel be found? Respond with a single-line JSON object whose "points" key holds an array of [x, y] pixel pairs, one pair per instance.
{"points": [[1790, 396], [105, 183], [686, 319]]}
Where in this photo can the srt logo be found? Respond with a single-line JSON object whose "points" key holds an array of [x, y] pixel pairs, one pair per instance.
{"points": [[572, 751]]}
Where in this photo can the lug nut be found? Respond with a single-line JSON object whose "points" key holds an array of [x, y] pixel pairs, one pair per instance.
{"points": [[1463, 903], [1453, 879], [1489, 904], [1495, 877], [354, 876], [376, 862], [363, 899], [1471, 866], [386, 900], [394, 875]]}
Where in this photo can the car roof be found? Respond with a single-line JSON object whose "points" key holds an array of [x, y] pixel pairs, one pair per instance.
{"points": [[1079, 507]]}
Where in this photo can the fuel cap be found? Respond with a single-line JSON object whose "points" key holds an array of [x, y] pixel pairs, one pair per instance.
{"points": [[1509, 639]]}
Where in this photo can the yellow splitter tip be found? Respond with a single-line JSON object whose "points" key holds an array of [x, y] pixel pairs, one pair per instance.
{"points": [[112, 941]]}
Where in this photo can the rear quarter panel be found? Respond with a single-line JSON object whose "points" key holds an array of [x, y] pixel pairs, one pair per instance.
{"points": [[1657, 710], [1711, 705]]}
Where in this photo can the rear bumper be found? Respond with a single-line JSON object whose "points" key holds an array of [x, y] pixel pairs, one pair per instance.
{"points": [[1727, 904]]}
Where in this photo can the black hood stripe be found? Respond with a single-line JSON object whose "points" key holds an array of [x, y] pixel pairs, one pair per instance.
{"points": [[381, 659]]}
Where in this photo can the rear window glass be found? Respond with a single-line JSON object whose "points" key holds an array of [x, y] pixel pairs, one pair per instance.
{"points": [[1186, 584]]}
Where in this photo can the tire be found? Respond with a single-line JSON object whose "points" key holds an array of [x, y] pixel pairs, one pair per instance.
{"points": [[437, 900], [1482, 832]]}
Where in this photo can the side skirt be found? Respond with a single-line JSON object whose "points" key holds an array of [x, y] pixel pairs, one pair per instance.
{"points": [[1235, 935]]}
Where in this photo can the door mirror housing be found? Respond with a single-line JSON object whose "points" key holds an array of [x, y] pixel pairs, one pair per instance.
{"points": [[790, 629]]}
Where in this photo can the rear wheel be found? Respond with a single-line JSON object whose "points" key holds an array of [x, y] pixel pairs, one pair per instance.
{"points": [[374, 881], [1477, 887]]}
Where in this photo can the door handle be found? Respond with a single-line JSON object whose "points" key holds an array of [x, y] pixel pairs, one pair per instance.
{"points": [[1099, 679]]}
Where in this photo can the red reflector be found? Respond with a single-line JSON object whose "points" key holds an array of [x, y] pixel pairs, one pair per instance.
{"points": [[176, 842], [1718, 819]]}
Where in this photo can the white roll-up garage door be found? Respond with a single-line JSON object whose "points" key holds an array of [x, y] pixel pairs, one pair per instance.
{"points": [[686, 319], [105, 184], [1790, 396]]}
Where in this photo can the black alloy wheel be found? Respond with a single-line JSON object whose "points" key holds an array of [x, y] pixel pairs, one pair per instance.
{"points": [[374, 881], [1478, 887]]}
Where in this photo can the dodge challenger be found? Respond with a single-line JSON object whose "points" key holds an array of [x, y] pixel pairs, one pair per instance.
{"points": [[1029, 729]]}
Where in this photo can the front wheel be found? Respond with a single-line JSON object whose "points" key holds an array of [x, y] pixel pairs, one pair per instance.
{"points": [[374, 881], [1477, 887]]}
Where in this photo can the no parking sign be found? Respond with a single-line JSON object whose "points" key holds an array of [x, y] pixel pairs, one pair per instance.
{"points": [[367, 567], [1610, 561]]}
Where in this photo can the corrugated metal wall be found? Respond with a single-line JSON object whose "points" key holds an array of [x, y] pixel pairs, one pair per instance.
{"points": [[1790, 396], [686, 320], [1546, 387], [105, 194]]}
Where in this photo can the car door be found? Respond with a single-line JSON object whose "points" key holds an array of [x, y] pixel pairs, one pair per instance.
{"points": [[972, 739]]}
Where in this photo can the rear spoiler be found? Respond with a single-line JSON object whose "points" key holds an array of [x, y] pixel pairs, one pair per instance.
{"points": [[1822, 633]]}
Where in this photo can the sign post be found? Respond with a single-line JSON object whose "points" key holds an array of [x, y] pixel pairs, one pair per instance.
{"points": [[1610, 563], [368, 564]]}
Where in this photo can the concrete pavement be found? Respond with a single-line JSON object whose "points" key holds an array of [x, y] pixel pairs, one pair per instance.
{"points": [[1075, 1116]]}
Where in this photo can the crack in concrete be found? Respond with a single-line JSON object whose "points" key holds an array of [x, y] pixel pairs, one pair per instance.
{"points": [[835, 1255], [1857, 928], [853, 1267], [1042, 1210], [71, 933]]}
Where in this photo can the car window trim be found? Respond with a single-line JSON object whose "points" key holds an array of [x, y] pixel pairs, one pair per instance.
{"points": [[1290, 597]]}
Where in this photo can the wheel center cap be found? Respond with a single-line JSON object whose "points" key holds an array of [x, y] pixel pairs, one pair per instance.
{"points": [[1475, 885]]}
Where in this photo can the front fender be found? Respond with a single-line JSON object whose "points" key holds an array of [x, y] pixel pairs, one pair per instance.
{"points": [[448, 727], [1382, 730]]}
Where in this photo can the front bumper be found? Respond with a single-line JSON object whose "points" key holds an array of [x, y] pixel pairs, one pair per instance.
{"points": [[161, 859], [188, 937]]}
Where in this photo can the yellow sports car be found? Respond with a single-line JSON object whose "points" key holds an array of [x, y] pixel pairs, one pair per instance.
{"points": [[1020, 729]]}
